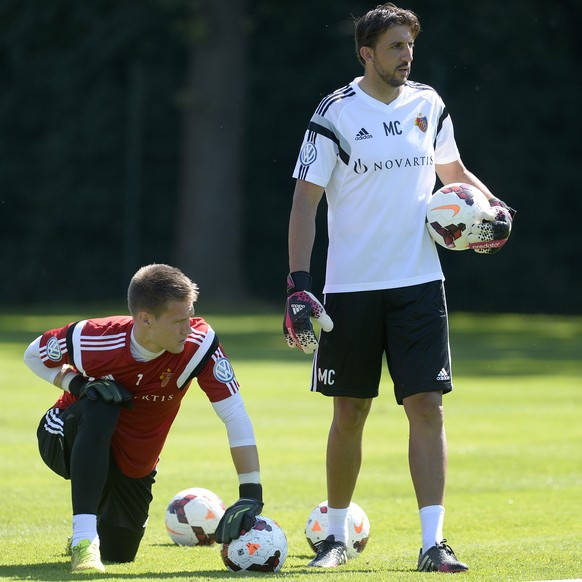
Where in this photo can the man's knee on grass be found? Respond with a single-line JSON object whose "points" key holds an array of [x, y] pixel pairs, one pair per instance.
{"points": [[119, 544]]}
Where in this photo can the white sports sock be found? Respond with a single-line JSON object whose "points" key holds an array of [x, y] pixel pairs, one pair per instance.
{"points": [[337, 523], [252, 477], [431, 524], [84, 527]]}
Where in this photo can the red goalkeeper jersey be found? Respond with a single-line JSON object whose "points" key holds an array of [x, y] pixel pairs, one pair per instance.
{"points": [[100, 348]]}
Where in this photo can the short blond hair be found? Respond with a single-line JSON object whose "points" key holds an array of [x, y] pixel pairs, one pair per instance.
{"points": [[154, 286]]}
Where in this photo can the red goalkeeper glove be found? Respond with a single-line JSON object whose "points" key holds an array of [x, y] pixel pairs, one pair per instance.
{"points": [[489, 236], [301, 306]]}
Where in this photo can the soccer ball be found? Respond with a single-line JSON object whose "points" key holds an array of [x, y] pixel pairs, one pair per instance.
{"points": [[192, 517], [262, 549], [358, 528], [452, 211]]}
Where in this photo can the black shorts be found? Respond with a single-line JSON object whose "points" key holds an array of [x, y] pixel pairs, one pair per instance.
{"points": [[409, 325], [124, 506]]}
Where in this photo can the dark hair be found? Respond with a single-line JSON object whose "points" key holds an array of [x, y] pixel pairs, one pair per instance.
{"points": [[377, 21], [153, 287]]}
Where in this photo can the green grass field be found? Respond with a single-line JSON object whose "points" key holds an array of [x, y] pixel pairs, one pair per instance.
{"points": [[514, 423]]}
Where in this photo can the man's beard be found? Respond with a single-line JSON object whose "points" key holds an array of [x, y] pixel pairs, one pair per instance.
{"points": [[390, 79]]}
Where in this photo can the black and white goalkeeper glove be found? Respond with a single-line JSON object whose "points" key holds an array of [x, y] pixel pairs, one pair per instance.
{"points": [[240, 516], [100, 389], [300, 307], [489, 236]]}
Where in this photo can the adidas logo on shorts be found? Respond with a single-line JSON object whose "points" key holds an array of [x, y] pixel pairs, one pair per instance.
{"points": [[443, 375]]}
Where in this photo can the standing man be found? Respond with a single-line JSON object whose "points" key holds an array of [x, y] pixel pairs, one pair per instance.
{"points": [[123, 379], [375, 147]]}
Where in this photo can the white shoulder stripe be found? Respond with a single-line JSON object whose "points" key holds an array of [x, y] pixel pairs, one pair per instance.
{"points": [[103, 339], [93, 347], [205, 344], [195, 340], [89, 343], [76, 341]]}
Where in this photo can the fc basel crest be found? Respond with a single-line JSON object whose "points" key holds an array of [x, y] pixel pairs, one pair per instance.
{"points": [[165, 377], [421, 122]]}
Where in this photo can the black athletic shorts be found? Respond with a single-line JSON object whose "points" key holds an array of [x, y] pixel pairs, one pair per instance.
{"points": [[124, 506], [409, 325]]}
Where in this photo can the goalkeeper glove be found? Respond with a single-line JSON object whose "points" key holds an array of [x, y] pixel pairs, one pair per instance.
{"points": [[100, 389], [240, 517], [489, 236], [300, 307]]}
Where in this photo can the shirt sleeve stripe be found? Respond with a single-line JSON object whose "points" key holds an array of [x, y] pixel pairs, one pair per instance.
{"points": [[203, 353], [442, 118]]}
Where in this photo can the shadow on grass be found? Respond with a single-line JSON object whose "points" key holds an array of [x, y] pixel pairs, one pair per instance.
{"points": [[58, 572]]}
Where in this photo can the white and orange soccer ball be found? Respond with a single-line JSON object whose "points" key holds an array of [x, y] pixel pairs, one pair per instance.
{"points": [[192, 517], [262, 549], [358, 528], [452, 211]]}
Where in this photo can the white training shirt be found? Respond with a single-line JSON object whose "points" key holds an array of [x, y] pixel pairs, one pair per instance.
{"points": [[376, 163]]}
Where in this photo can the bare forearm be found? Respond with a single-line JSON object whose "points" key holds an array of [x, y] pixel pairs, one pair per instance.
{"points": [[457, 172], [245, 459], [302, 225], [301, 239], [470, 178]]}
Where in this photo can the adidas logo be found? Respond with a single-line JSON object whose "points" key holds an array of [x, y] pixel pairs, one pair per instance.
{"points": [[363, 134], [297, 307], [443, 375]]}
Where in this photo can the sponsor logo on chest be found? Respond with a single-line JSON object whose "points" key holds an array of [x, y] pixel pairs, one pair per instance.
{"points": [[414, 135], [394, 128]]}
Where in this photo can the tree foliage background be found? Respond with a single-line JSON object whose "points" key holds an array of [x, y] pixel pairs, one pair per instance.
{"points": [[167, 130]]}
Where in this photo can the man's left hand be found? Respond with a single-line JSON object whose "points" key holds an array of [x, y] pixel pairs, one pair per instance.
{"points": [[489, 236]]}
